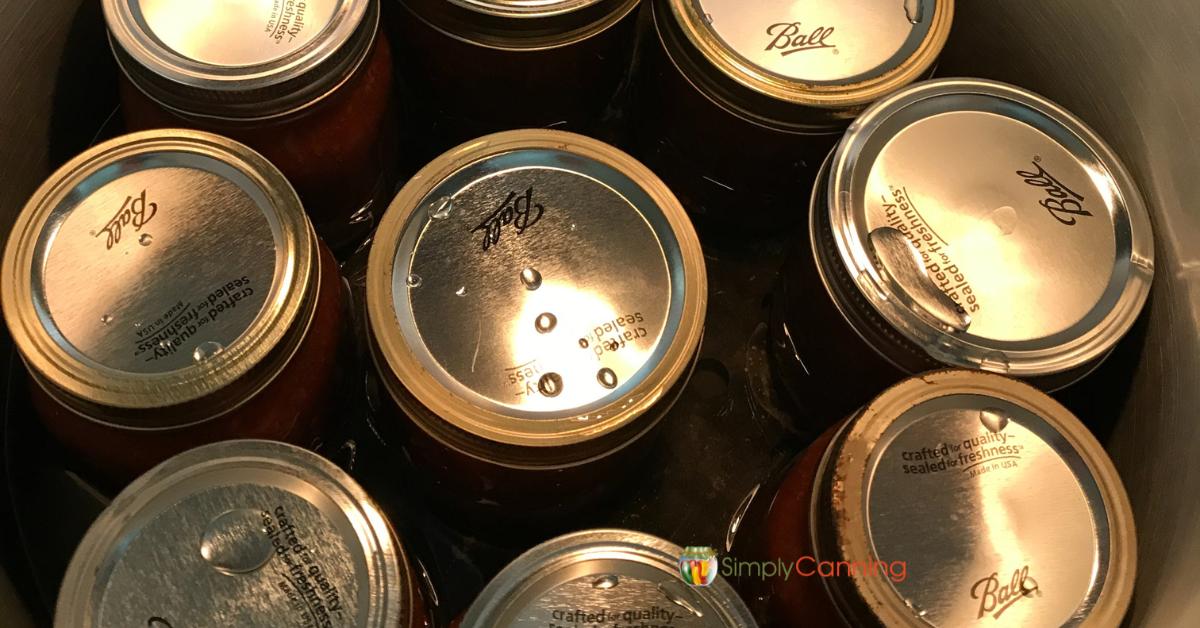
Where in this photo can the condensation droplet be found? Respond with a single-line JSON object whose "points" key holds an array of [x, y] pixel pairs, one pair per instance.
{"points": [[462, 291], [677, 593], [607, 378], [531, 278], [106, 319], [413, 280], [607, 581], [583, 343], [165, 344], [137, 325], [146, 239], [1005, 219], [206, 350], [545, 322], [236, 542], [550, 384], [914, 10], [441, 208], [994, 419]]}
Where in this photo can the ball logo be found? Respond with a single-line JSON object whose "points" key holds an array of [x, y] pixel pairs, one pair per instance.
{"points": [[698, 566]]}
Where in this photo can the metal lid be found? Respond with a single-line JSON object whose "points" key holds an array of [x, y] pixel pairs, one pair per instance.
{"points": [[239, 533], [249, 59], [815, 53], [157, 269], [521, 24], [1029, 247], [999, 506], [536, 288], [604, 577]]}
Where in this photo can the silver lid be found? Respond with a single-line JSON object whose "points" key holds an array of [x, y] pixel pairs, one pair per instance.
{"points": [[967, 498], [158, 268], [521, 24], [1032, 252], [240, 533], [831, 56], [536, 288], [247, 59], [604, 577]]}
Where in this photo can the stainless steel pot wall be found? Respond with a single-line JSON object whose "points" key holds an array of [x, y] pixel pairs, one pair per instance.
{"points": [[1128, 69]]}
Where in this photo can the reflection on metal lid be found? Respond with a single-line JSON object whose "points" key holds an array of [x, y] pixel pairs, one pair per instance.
{"points": [[525, 8], [815, 52], [245, 533], [521, 24], [220, 58], [605, 577], [976, 497], [536, 286], [1019, 213], [157, 268]]}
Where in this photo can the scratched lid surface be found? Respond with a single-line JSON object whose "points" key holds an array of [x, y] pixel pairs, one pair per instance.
{"points": [[971, 499], [811, 52], [156, 269], [241, 533], [536, 288], [608, 577], [249, 58], [990, 227]]}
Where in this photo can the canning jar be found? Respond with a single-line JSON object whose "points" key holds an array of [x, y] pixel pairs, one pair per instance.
{"points": [[307, 83], [960, 223], [740, 101], [482, 66], [536, 299], [958, 498], [609, 577], [241, 533], [165, 290]]}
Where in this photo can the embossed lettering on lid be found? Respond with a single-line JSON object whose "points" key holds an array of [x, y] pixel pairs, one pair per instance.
{"points": [[983, 500], [536, 282], [1018, 213], [156, 268], [244, 533], [605, 577]]}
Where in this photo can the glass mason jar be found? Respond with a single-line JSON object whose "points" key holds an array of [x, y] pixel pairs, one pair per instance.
{"points": [[609, 577], [241, 533], [958, 498], [482, 66], [307, 83], [165, 290], [740, 101], [536, 299], [960, 223]]}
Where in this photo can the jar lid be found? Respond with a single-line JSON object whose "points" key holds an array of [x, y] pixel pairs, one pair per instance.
{"points": [[536, 288], [963, 496], [609, 577], [250, 59], [238, 533], [990, 227], [834, 56], [157, 269], [521, 24]]}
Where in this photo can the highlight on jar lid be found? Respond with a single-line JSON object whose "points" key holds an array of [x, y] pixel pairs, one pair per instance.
{"points": [[610, 577], [816, 52], [522, 23], [998, 504], [239, 533], [156, 269], [255, 58], [990, 227], [536, 288]]}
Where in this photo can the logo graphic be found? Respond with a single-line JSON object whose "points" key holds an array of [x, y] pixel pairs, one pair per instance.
{"points": [[793, 37], [995, 598], [518, 210], [1063, 203], [698, 566], [134, 211]]}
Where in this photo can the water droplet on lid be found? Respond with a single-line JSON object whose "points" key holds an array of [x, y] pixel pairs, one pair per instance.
{"points": [[914, 10], [106, 319], [462, 291], [531, 278], [413, 280], [583, 343], [994, 419], [607, 581], [545, 322], [550, 384], [708, 18], [137, 325], [441, 208], [607, 378], [146, 239], [206, 350], [1005, 219], [678, 594], [236, 542], [165, 344]]}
